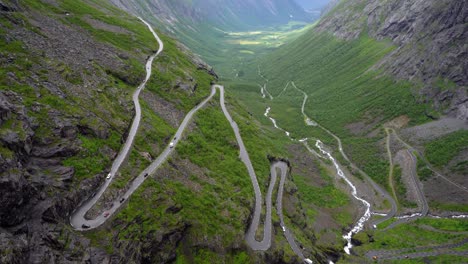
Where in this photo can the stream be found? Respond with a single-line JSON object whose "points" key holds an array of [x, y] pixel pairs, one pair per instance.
{"points": [[359, 226]]}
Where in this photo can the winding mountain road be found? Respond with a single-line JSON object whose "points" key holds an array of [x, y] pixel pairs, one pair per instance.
{"points": [[279, 207], [390, 160], [420, 197], [429, 166], [79, 221], [77, 218]]}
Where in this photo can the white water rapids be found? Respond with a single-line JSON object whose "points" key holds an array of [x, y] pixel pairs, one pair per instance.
{"points": [[360, 224], [262, 91], [274, 122], [319, 145]]}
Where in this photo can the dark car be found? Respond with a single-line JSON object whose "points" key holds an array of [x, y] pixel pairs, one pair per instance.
{"points": [[122, 200], [146, 175], [85, 226]]}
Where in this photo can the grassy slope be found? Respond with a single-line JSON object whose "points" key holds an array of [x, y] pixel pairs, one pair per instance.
{"points": [[422, 232], [218, 211], [441, 151], [342, 89]]}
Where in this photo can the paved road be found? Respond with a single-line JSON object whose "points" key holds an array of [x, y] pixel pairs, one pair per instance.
{"points": [[390, 160], [77, 219], [421, 198], [438, 174], [422, 201], [265, 243], [279, 206]]}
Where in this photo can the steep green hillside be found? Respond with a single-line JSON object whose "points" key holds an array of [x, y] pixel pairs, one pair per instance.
{"points": [[356, 80], [364, 70], [68, 72], [344, 92], [69, 69]]}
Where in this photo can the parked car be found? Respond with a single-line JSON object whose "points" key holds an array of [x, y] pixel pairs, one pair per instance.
{"points": [[106, 214], [85, 226]]}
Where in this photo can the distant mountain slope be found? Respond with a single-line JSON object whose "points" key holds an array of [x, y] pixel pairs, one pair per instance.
{"points": [[430, 37], [225, 14], [430, 49], [368, 62]]}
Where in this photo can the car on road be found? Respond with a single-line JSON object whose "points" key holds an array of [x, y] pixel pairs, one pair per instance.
{"points": [[146, 175], [308, 261], [171, 145], [109, 176], [122, 200], [284, 229], [85, 226], [106, 214]]}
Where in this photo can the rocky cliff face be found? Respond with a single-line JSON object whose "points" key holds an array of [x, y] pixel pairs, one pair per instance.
{"points": [[37, 134], [430, 37]]}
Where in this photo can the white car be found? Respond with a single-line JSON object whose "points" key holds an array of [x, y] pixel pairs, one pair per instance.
{"points": [[109, 176], [171, 145], [284, 229], [308, 261]]}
